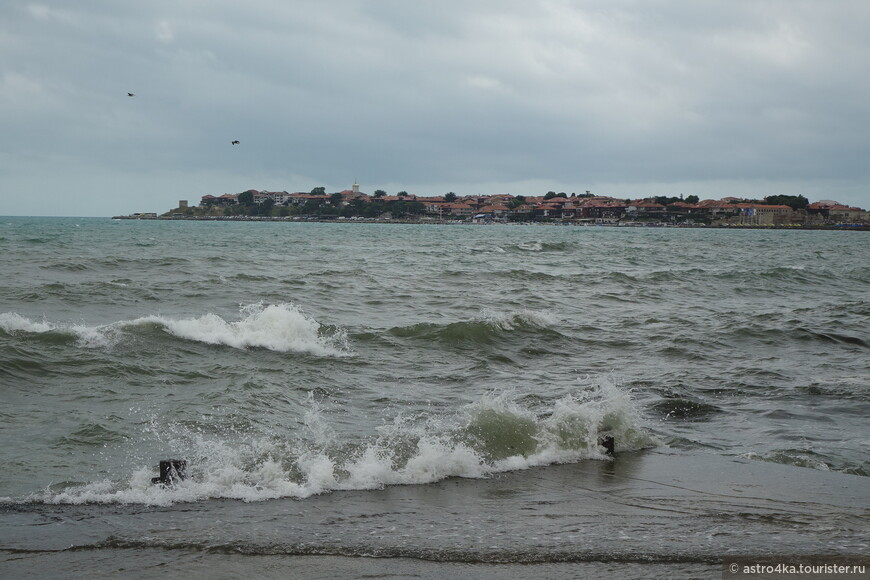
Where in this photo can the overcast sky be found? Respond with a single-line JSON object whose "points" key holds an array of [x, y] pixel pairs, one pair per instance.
{"points": [[619, 97]]}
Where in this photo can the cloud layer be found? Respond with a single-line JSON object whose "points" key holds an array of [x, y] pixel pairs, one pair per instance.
{"points": [[619, 97]]}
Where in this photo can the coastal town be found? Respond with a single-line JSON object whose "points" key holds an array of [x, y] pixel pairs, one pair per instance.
{"points": [[552, 207]]}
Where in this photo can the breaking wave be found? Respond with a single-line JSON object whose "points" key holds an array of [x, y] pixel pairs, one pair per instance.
{"points": [[540, 246], [85, 336], [276, 327], [11, 322], [494, 434]]}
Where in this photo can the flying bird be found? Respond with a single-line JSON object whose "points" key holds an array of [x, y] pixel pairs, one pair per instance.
{"points": [[234, 142], [130, 95]]}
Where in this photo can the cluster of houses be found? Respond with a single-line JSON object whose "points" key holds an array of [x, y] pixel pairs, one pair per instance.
{"points": [[585, 208]]}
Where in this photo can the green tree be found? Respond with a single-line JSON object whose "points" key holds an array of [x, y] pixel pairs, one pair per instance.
{"points": [[335, 199], [356, 207], [374, 209], [402, 194], [311, 207], [265, 207], [665, 200], [380, 193], [692, 199], [416, 208], [318, 191], [793, 201], [246, 198], [450, 197], [516, 201], [550, 195]]}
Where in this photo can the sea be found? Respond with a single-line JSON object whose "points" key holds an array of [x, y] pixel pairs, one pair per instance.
{"points": [[372, 400]]}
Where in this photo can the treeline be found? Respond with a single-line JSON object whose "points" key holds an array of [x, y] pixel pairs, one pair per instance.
{"points": [[333, 206], [326, 208], [793, 201]]}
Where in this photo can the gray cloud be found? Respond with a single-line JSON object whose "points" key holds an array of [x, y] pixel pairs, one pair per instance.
{"points": [[620, 97]]}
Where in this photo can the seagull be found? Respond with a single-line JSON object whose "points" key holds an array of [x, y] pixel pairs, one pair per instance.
{"points": [[130, 95], [234, 142]]}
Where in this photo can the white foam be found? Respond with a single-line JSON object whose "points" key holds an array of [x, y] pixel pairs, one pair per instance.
{"points": [[87, 336], [96, 336], [510, 320], [278, 327], [788, 458], [414, 450], [13, 322]]}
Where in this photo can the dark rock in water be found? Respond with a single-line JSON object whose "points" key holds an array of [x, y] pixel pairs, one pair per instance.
{"points": [[171, 472], [609, 445]]}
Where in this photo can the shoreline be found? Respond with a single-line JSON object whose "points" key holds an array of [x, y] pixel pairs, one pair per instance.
{"points": [[592, 517], [829, 227]]}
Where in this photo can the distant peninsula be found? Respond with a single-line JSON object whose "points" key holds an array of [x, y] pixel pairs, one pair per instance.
{"points": [[352, 205]]}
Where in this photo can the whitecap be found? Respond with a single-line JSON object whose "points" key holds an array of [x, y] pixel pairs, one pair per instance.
{"points": [[408, 450], [277, 327], [535, 246], [13, 322], [512, 319]]}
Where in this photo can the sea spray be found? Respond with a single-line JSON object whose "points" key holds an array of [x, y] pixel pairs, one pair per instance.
{"points": [[600, 409], [518, 319], [494, 434], [12, 322], [83, 335], [278, 327]]}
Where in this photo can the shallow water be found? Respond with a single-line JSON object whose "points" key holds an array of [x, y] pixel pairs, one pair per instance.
{"points": [[291, 362]]}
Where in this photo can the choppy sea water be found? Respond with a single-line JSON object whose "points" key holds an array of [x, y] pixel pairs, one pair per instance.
{"points": [[430, 394]]}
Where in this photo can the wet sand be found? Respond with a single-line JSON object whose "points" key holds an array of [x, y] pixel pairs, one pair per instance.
{"points": [[654, 514]]}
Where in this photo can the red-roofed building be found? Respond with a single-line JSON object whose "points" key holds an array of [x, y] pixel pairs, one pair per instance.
{"points": [[602, 210], [300, 198], [223, 200], [645, 208], [833, 212], [458, 209], [395, 198]]}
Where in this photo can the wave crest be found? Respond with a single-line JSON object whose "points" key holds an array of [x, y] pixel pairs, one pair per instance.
{"points": [[495, 434], [277, 327], [85, 336], [481, 329]]}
